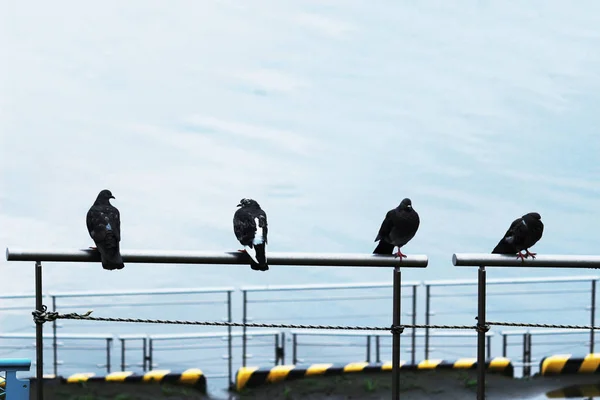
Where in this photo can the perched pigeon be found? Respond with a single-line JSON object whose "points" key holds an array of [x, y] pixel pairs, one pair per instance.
{"points": [[523, 233], [250, 228], [104, 225], [398, 228]]}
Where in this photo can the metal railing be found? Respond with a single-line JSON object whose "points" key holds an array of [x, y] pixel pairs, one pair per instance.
{"points": [[315, 295], [372, 342], [549, 289], [481, 261], [103, 303], [58, 341], [233, 258], [526, 358]]}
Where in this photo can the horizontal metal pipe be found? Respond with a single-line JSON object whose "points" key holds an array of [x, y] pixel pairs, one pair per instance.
{"points": [[543, 332], [510, 281], [325, 286], [540, 261], [144, 292], [79, 336], [211, 335], [205, 257]]}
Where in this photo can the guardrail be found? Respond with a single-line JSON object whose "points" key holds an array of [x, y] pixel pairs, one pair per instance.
{"points": [[315, 295], [373, 343], [107, 338]]}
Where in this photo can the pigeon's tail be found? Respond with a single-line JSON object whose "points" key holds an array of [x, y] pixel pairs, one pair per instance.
{"points": [[504, 248], [384, 247], [261, 258], [109, 252]]}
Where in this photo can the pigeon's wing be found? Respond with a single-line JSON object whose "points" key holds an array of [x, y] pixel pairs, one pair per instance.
{"points": [[89, 221], [386, 226], [262, 223], [517, 232], [115, 221], [513, 239], [244, 227], [405, 227]]}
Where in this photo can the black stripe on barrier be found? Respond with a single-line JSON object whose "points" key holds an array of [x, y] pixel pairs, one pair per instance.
{"points": [[250, 377], [567, 364], [192, 377]]}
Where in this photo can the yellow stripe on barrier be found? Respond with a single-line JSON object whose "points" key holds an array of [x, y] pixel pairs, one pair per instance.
{"points": [[317, 369], [428, 364], [80, 377], [387, 366], [249, 377], [567, 364], [279, 373], [117, 376], [590, 363], [499, 363], [554, 364], [464, 363], [243, 375], [155, 375], [191, 376], [355, 367]]}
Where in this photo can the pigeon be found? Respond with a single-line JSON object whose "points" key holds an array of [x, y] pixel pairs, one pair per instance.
{"points": [[398, 228], [250, 228], [104, 225], [523, 233]]}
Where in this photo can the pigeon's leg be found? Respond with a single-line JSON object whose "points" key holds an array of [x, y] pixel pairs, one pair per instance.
{"points": [[528, 253], [521, 256], [399, 254]]}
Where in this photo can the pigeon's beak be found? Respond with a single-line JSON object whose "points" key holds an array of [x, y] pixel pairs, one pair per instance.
{"points": [[239, 205], [112, 197]]}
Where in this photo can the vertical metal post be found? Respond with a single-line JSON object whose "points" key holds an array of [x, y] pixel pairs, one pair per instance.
{"points": [[481, 334], [150, 351], [413, 338], [282, 348], [396, 335], [244, 320], [368, 348], [377, 353], [427, 313], [504, 345], [108, 346], [593, 316], [54, 342], [123, 354], [229, 342], [276, 348], [294, 358], [144, 354], [527, 354], [39, 331]]}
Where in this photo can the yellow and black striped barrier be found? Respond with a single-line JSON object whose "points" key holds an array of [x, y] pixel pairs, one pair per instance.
{"points": [[567, 364], [249, 377], [192, 377], [575, 391]]}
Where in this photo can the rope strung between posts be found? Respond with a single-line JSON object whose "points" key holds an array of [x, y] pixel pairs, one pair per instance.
{"points": [[43, 316]]}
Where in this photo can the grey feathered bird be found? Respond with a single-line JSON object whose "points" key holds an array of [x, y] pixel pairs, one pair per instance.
{"points": [[250, 228], [522, 234], [398, 227], [104, 225]]}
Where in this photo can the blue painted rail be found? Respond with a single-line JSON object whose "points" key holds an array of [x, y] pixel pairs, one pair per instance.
{"points": [[14, 388]]}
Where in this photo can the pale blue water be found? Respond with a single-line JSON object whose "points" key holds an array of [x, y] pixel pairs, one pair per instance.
{"points": [[327, 113]]}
